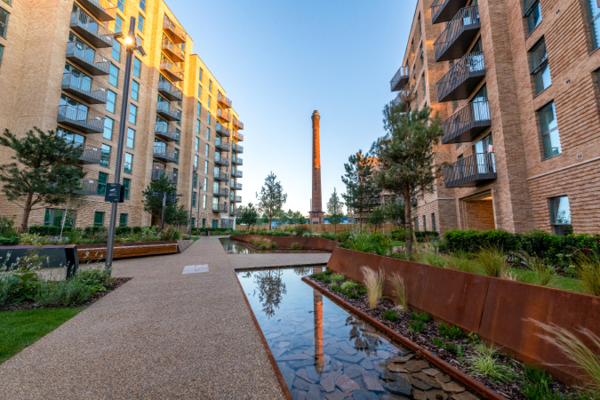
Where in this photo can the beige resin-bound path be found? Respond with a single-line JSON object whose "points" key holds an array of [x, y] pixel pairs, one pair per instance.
{"points": [[163, 335]]}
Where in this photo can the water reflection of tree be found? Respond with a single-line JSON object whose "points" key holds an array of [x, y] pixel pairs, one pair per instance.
{"points": [[303, 271], [270, 290], [363, 338]]}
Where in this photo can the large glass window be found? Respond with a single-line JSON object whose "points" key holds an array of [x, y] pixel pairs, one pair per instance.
{"points": [[137, 67], [594, 10], [208, 117], [102, 181], [135, 91], [132, 114], [111, 101], [141, 22], [196, 161], [3, 22], [143, 5], [127, 186], [207, 151], [105, 156], [550, 134], [208, 134], [123, 219], [540, 69], [113, 79], [209, 106], [121, 5], [204, 201], [130, 138], [205, 183], [116, 50], [197, 144], [176, 155], [99, 218], [206, 167], [198, 126], [533, 14], [54, 217], [128, 164], [200, 92], [118, 24], [195, 181], [198, 109], [560, 215], [108, 128], [200, 75], [194, 195], [210, 86]]}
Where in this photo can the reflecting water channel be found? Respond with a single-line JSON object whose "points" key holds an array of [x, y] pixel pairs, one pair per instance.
{"points": [[325, 352], [235, 247]]}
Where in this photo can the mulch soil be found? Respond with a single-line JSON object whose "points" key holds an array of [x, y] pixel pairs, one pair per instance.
{"points": [[424, 339], [118, 282]]}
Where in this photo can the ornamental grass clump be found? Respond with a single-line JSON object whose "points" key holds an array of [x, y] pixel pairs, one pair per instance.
{"points": [[399, 290], [542, 273], [391, 315], [492, 261], [460, 262], [588, 270], [373, 281], [296, 246], [337, 277], [485, 363]]}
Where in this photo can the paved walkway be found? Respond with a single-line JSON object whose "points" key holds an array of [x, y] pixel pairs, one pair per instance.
{"points": [[163, 335]]}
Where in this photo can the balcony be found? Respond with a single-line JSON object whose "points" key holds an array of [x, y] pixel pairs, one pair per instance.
{"points": [[445, 10], [221, 176], [235, 213], [458, 35], [221, 193], [399, 80], [90, 187], [224, 101], [162, 130], [236, 148], [174, 52], [88, 28], [167, 111], [236, 199], [223, 130], [90, 154], [237, 174], [223, 116], [104, 10], [398, 101], [238, 136], [237, 161], [158, 173], [471, 171], [219, 208], [169, 91], [84, 88], [222, 144], [222, 161], [85, 121], [236, 186], [172, 70], [88, 59], [176, 33], [462, 79], [239, 125], [467, 123], [163, 154]]}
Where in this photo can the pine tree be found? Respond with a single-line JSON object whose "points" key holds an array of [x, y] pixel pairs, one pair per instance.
{"points": [[44, 171], [362, 194], [335, 208], [249, 216], [271, 198], [175, 214]]}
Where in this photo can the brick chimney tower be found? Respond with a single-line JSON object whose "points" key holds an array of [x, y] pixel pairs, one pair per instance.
{"points": [[316, 214]]}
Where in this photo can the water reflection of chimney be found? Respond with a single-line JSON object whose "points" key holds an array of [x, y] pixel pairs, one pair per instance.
{"points": [[318, 316]]}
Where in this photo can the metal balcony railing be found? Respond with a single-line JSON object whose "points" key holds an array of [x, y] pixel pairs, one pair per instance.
{"points": [[223, 115], [400, 79], [88, 59], [223, 130], [104, 10], [90, 154], [237, 161], [89, 187], [236, 199], [236, 186], [238, 124], [471, 171], [238, 136], [237, 174], [467, 123], [219, 208], [221, 193], [222, 161], [463, 78], [458, 35], [167, 111], [162, 129], [172, 70], [445, 10], [235, 213], [176, 33], [172, 50], [158, 173], [84, 88], [221, 176], [224, 101], [162, 153], [90, 29], [236, 148], [222, 144], [85, 120], [170, 91]]}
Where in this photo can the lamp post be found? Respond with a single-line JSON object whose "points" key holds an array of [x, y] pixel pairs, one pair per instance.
{"points": [[131, 45], [200, 187]]}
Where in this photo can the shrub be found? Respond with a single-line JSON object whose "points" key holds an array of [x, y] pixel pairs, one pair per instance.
{"points": [[426, 236], [391, 315], [9, 241], [492, 261], [485, 363], [265, 244], [588, 269], [423, 317], [399, 235], [95, 232], [296, 246], [330, 236], [450, 331], [64, 293], [95, 277], [123, 230], [399, 290], [375, 243], [136, 229], [170, 233], [301, 230], [44, 230], [437, 342], [337, 277], [460, 262], [416, 326], [374, 283], [348, 285], [537, 385], [15, 288], [254, 242]]}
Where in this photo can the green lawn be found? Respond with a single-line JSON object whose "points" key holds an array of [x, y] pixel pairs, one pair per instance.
{"points": [[19, 329], [398, 243], [558, 282]]}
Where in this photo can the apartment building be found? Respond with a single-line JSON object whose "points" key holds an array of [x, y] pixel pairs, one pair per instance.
{"points": [[62, 67], [516, 83]]}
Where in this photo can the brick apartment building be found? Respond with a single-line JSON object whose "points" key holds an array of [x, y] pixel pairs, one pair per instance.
{"points": [[516, 83], [62, 66]]}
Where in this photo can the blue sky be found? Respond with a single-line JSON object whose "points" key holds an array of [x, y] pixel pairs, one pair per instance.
{"points": [[279, 60]]}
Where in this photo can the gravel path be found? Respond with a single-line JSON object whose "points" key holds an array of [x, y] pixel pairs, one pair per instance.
{"points": [[163, 335]]}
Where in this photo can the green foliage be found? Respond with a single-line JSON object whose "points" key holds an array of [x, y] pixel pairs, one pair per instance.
{"points": [[94, 231], [337, 277], [271, 198], [17, 287], [9, 241], [450, 331], [537, 384], [486, 363], [416, 326], [302, 230], [7, 229], [64, 293], [96, 277], [394, 211], [248, 215], [399, 290], [335, 209], [377, 216], [588, 270], [492, 261], [123, 231], [362, 194], [391, 315], [348, 285], [175, 214], [399, 235], [170, 233], [460, 262], [375, 243], [296, 246], [437, 342], [423, 317], [426, 236]]}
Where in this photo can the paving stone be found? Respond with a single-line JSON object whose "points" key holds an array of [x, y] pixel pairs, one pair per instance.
{"points": [[379, 366], [354, 371], [452, 387], [312, 373], [443, 378], [422, 376], [363, 394], [302, 374], [366, 364], [416, 365], [328, 382], [436, 394], [336, 395], [301, 384], [400, 386], [392, 396], [464, 396], [419, 395], [396, 367], [346, 384], [402, 358], [390, 376], [299, 395], [314, 393], [288, 374], [292, 357], [372, 383], [419, 384], [431, 371]]}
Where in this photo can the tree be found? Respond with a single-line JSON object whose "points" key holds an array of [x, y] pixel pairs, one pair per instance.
{"points": [[394, 211], [362, 195], [175, 214], [405, 153], [44, 171], [377, 216], [335, 208], [271, 198], [249, 216]]}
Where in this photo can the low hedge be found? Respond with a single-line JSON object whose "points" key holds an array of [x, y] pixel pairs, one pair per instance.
{"points": [[9, 241], [48, 230], [402, 235]]}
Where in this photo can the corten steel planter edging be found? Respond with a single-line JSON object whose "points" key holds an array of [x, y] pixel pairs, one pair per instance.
{"points": [[307, 243], [465, 379], [278, 374]]}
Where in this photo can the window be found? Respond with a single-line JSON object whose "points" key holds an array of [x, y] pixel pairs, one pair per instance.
{"points": [[3, 22], [141, 41], [209, 106], [108, 128], [116, 50], [198, 109], [195, 181], [433, 224], [194, 194], [533, 14], [560, 215], [216, 187], [128, 164], [9, 2], [416, 223], [197, 144], [98, 218], [105, 156], [539, 66], [123, 219], [207, 134], [204, 202], [424, 223], [210, 86], [118, 24], [143, 5], [550, 134], [111, 101], [176, 155], [1, 52], [55, 217], [206, 167], [113, 79], [132, 114], [102, 181], [200, 75], [130, 138], [127, 186], [424, 85], [141, 22], [198, 126], [208, 118], [137, 67], [135, 91], [121, 5], [196, 161], [205, 183], [207, 151], [200, 92], [594, 10]]}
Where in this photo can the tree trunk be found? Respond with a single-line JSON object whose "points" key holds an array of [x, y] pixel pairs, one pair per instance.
{"points": [[407, 222], [360, 214], [270, 220], [26, 212]]}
